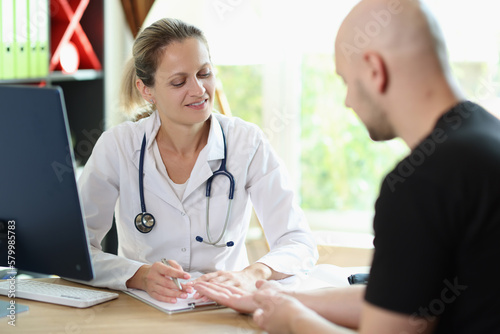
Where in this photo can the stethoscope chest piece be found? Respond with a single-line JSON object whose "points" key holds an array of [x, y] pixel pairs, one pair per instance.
{"points": [[144, 222]]}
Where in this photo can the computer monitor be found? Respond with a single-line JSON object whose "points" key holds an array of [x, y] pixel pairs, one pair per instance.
{"points": [[42, 225]]}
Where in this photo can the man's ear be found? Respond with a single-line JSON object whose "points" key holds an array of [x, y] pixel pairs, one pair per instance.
{"points": [[377, 70], [144, 90]]}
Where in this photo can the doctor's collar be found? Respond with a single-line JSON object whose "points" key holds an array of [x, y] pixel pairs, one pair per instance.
{"points": [[215, 141]]}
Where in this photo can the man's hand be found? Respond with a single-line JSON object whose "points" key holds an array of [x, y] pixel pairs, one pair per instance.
{"points": [[276, 312], [230, 296]]}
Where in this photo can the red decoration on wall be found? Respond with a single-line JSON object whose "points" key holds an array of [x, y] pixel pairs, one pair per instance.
{"points": [[65, 27]]}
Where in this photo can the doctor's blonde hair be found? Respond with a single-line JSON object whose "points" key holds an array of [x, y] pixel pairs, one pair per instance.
{"points": [[147, 51]]}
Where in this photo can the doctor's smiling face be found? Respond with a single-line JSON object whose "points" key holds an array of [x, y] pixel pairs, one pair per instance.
{"points": [[184, 83]]}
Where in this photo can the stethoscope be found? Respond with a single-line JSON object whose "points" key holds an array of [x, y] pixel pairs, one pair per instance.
{"points": [[144, 221]]}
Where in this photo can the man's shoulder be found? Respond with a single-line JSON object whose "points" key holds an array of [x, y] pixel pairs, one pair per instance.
{"points": [[468, 125], [471, 138], [465, 139]]}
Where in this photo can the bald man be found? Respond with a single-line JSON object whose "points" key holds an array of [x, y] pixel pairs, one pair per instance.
{"points": [[437, 220]]}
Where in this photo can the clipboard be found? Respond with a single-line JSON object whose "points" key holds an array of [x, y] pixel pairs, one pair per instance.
{"points": [[183, 305]]}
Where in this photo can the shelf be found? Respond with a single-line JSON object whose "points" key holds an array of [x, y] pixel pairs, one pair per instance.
{"points": [[80, 75], [22, 81], [82, 23]]}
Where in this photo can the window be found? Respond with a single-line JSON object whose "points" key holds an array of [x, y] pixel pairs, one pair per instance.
{"points": [[243, 87], [280, 68]]}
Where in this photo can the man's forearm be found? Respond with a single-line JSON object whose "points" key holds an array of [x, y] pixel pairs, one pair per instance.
{"points": [[314, 324], [341, 306]]}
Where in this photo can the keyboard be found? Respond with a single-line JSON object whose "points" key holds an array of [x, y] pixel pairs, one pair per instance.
{"points": [[55, 293]]}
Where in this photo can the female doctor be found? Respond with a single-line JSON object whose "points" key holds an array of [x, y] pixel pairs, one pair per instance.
{"points": [[182, 181]]}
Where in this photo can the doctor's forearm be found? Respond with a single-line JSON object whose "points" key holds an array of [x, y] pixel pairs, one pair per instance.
{"points": [[138, 281], [262, 271]]}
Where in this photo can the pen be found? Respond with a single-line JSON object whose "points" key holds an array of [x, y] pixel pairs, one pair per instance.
{"points": [[176, 281]]}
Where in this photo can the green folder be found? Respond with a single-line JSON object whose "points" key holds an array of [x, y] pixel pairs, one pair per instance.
{"points": [[33, 39], [43, 37], [7, 40], [21, 47], [1, 44]]}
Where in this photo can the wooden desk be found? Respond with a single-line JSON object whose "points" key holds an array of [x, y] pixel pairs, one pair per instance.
{"points": [[123, 315]]}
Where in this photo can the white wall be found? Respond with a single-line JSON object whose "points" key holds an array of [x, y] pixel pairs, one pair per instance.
{"points": [[117, 50]]}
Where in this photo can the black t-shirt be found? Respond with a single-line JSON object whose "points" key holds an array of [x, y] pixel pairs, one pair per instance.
{"points": [[437, 228]]}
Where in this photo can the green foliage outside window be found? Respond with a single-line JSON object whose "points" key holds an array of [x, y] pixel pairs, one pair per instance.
{"points": [[243, 88], [341, 167]]}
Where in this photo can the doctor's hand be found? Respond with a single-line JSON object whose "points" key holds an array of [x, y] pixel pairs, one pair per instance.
{"points": [[156, 280], [244, 279], [238, 279]]}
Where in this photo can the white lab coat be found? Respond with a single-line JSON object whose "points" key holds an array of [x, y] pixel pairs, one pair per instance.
{"points": [[110, 184]]}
